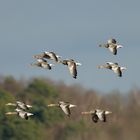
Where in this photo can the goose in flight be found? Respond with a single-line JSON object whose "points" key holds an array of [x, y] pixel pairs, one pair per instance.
{"points": [[65, 107], [19, 104], [20, 113], [112, 46], [97, 114], [48, 55], [72, 66], [114, 67], [43, 64]]}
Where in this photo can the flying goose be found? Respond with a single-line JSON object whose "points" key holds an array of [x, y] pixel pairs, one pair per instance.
{"points": [[20, 113], [72, 66], [48, 55], [20, 105], [43, 64], [112, 46], [97, 114], [113, 66], [65, 106]]}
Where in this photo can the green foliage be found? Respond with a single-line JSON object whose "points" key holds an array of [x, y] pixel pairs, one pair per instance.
{"points": [[52, 123]]}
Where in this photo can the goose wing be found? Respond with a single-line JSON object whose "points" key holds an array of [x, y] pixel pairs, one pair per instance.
{"points": [[53, 56], [45, 65], [73, 69], [119, 72], [113, 48], [112, 64], [95, 118], [112, 40], [21, 105], [100, 115], [65, 108], [22, 114], [26, 116]]}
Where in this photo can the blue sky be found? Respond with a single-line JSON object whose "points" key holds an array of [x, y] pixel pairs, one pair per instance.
{"points": [[73, 29]]}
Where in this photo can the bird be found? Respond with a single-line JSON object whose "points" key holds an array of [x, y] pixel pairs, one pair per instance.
{"points": [[114, 67], [21, 113], [112, 45], [65, 107], [43, 64], [19, 104], [97, 114], [72, 66], [48, 55]]}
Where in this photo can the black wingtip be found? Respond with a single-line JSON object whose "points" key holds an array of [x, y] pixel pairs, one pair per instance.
{"points": [[74, 77]]}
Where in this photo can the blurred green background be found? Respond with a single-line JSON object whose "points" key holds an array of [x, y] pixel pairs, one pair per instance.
{"points": [[52, 124]]}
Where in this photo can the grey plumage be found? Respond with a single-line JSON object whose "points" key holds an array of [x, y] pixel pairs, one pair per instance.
{"points": [[111, 45], [114, 67]]}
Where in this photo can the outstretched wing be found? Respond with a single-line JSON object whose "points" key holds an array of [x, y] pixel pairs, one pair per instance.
{"points": [[73, 70], [65, 109], [53, 56], [113, 49], [119, 72], [95, 118]]}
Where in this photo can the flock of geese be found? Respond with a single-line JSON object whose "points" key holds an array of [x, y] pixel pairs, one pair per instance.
{"points": [[41, 61]]}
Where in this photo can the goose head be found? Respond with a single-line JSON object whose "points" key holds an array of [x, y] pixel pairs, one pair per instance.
{"points": [[10, 113], [51, 105], [11, 104]]}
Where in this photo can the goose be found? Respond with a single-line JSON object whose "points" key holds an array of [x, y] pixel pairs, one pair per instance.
{"points": [[114, 67], [112, 46], [72, 66], [43, 64], [20, 113], [97, 114], [48, 55], [65, 107], [20, 105]]}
